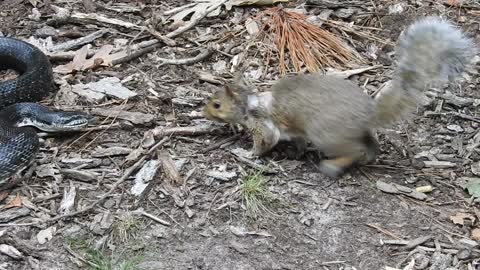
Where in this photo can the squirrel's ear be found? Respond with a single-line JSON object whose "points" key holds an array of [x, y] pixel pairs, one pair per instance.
{"points": [[230, 91]]}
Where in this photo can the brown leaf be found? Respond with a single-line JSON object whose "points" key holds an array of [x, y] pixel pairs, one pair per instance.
{"points": [[476, 234], [16, 202], [256, 2], [101, 58], [460, 218], [169, 167], [452, 3], [3, 195], [76, 64]]}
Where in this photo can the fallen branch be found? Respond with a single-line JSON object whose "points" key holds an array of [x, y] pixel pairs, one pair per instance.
{"points": [[337, 3], [191, 130], [186, 61], [135, 54], [79, 41], [168, 41], [409, 244], [95, 18]]}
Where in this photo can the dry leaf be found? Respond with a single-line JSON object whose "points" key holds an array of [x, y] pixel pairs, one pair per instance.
{"points": [[169, 168], [476, 234], [16, 202], [3, 195], [460, 218], [46, 235], [452, 2], [251, 26], [198, 10], [76, 64], [68, 200], [80, 61]]}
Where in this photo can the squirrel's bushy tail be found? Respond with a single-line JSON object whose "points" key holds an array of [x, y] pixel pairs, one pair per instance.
{"points": [[430, 51]]}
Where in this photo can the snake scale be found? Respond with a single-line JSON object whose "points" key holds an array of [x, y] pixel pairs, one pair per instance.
{"points": [[19, 114]]}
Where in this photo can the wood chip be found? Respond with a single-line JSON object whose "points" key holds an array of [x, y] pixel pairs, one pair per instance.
{"points": [[111, 151], [136, 118], [169, 168]]}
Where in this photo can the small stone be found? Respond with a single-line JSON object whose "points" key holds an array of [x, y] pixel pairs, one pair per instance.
{"points": [[455, 128], [189, 212], [475, 168], [109, 203], [464, 254], [418, 164], [396, 9], [345, 13], [220, 67], [46, 31]]}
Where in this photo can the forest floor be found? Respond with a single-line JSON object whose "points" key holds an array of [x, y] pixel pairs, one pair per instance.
{"points": [[205, 204]]}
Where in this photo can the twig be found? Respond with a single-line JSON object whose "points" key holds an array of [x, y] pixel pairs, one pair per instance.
{"points": [[191, 130], [71, 252], [102, 127], [409, 244], [95, 18], [253, 164], [18, 224], [384, 231], [461, 115], [220, 143], [186, 61], [135, 54], [178, 9], [193, 22], [79, 41], [168, 41], [164, 212], [157, 219]]}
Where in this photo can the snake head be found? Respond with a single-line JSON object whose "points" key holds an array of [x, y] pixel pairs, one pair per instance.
{"points": [[66, 121], [57, 121]]}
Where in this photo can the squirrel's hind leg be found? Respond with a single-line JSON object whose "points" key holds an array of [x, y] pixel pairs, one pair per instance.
{"points": [[337, 166], [372, 149], [350, 153]]}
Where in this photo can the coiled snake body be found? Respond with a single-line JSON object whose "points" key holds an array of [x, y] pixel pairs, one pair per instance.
{"points": [[19, 142]]}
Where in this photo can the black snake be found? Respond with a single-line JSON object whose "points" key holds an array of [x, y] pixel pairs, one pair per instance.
{"points": [[19, 142]]}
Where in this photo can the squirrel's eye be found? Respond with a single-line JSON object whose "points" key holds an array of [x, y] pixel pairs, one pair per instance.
{"points": [[216, 105]]}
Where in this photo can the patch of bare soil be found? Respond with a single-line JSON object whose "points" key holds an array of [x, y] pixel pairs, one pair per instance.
{"points": [[153, 185]]}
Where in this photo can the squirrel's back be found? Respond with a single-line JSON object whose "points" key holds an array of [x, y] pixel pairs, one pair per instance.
{"points": [[322, 107]]}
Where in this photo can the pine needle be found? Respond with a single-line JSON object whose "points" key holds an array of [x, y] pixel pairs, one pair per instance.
{"points": [[307, 44]]}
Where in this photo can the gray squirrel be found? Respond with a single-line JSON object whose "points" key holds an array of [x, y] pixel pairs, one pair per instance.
{"points": [[334, 113]]}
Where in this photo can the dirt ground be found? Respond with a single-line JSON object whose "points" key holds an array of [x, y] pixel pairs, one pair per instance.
{"points": [[312, 222]]}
